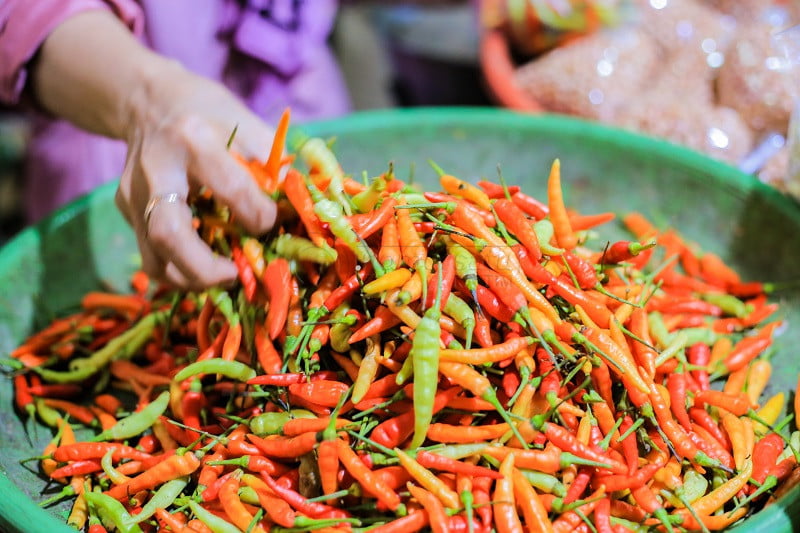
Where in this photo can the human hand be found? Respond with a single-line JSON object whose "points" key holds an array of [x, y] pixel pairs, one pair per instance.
{"points": [[179, 126], [93, 72]]}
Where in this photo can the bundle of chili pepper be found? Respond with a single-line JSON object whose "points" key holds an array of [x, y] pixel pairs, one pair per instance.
{"points": [[471, 359]]}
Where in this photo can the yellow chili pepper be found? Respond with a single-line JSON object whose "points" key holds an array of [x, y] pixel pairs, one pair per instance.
{"points": [[757, 378], [770, 412], [368, 368], [429, 480], [391, 280]]}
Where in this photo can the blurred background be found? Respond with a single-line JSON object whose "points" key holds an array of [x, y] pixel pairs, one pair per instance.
{"points": [[719, 76]]}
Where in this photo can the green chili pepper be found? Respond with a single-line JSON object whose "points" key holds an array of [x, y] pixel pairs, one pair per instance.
{"points": [[138, 422], [249, 495], [162, 498], [271, 423], [230, 369], [405, 372], [108, 467], [121, 347], [214, 523], [460, 451], [466, 266], [730, 304], [658, 329], [676, 344], [316, 153], [112, 511], [224, 304], [302, 249], [425, 356], [700, 335], [544, 232], [794, 444], [413, 198], [545, 482], [632, 526], [47, 414], [332, 213], [367, 199], [461, 312], [694, 486], [340, 332]]}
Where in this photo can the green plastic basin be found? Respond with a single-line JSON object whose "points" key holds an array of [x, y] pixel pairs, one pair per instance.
{"points": [[47, 268]]}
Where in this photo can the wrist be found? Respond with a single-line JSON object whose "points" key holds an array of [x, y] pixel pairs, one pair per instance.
{"points": [[154, 79]]}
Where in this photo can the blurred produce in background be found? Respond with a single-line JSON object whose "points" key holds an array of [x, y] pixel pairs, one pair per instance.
{"points": [[703, 73]]}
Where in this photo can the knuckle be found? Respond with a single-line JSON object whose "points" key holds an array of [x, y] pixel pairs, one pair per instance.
{"points": [[161, 233]]}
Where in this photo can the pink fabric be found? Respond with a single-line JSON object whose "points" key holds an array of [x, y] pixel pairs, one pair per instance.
{"points": [[24, 25], [272, 53]]}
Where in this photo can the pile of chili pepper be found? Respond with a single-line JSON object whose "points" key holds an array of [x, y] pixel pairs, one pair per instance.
{"points": [[394, 360]]}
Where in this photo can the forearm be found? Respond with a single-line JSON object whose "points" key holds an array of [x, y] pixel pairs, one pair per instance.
{"points": [[91, 71]]}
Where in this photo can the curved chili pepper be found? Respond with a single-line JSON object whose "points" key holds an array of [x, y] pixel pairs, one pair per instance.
{"points": [[494, 190], [583, 270]]}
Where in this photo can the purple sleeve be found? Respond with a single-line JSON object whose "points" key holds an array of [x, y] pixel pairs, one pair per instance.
{"points": [[25, 24]]}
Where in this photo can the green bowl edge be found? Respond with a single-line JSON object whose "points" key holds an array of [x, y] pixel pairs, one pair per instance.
{"points": [[24, 512]]}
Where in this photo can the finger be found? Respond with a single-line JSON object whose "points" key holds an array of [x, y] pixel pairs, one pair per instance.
{"points": [[174, 240], [253, 138], [152, 265], [175, 277], [214, 167], [122, 206]]}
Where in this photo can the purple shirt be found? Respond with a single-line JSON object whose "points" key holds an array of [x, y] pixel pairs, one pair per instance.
{"points": [[272, 53]]}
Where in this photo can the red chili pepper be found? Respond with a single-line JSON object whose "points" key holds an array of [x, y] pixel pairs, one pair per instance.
{"points": [[699, 355], [704, 419], [299, 502], [582, 269], [765, 455], [435, 461], [745, 351], [579, 485], [622, 251], [566, 441], [77, 468], [349, 286], [495, 190], [490, 302], [22, 395], [426, 227], [706, 442], [268, 357], [738, 404], [518, 224], [508, 293], [322, 392], [530, 205], [630, 447], [278, 380], [676, 385], [375, 220], [689, 305], [551, 378], [448, 267], [277, 279], [246, 274], [394, 431], [481, 490], [193, 402], [55, 390], [640, 477]]}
